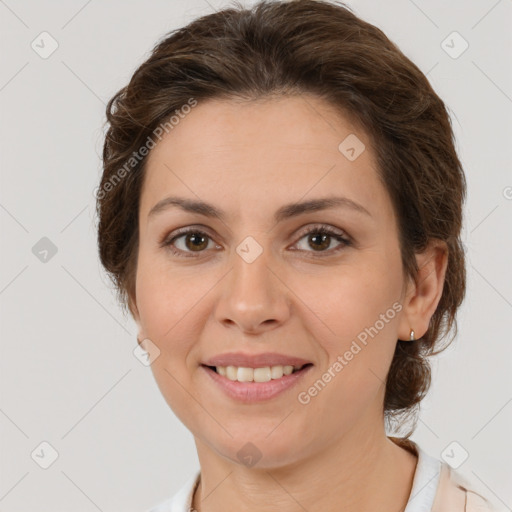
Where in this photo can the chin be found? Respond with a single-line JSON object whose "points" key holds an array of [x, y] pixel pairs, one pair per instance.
{"points": [[259, 450]]}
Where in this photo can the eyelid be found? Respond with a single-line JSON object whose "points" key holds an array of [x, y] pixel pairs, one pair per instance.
{"points": [[337, 233], [169, 237], [326, 227]]}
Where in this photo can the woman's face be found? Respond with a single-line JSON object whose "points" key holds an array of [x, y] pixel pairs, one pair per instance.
{"points": [[255, 282]]}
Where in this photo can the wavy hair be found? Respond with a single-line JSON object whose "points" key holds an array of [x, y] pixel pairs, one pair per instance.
{"points": [[285, 48]]}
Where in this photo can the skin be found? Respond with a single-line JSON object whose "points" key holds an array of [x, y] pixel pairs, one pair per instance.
{"points": [[296, 298]]}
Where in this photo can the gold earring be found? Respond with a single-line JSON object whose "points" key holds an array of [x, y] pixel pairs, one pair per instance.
{"points": [[412, 338]]}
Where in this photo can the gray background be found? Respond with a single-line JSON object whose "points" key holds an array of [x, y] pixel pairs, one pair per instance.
{"points": [[68, 373]]}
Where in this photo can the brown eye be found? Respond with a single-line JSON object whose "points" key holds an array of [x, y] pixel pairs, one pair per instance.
{"points": [[196, 241], [188, 241], [320, 239]]}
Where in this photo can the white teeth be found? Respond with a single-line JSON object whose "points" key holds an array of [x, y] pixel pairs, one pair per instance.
{"points": [[262, 374], [276, 372], [244, 374], [231, 372]]}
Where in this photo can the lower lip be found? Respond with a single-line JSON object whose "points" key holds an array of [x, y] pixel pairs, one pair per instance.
{"points": [[256, 391]]}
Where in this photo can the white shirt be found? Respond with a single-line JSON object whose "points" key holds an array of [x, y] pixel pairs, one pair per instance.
{"points": [[421, 499]]}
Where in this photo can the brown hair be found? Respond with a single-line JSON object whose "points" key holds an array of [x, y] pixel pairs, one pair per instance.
{"points": [[302, 46]]}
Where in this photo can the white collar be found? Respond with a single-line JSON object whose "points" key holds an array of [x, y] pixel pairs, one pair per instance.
{"points": [[425, 483]]}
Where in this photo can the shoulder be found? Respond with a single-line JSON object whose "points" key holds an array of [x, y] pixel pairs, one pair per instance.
{"points": [[437, 487], [456, 493], [182, 500]]}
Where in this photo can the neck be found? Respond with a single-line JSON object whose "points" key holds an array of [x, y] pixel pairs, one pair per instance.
{"points": [[337, 478]]}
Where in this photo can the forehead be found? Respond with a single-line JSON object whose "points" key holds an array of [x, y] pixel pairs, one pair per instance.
{"points": [[303, 124], [268, 151]]}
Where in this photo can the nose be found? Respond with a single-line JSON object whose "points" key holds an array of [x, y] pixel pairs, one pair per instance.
{"points": [[253, 296]]}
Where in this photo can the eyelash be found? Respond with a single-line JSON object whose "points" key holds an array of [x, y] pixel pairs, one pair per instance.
{"points": [[317, 230]]}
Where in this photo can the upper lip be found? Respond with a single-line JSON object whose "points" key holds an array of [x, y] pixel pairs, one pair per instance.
{"points": [[255, 360]]}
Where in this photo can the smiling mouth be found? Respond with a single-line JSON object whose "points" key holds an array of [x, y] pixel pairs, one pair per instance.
{"points": [[262, 374]]}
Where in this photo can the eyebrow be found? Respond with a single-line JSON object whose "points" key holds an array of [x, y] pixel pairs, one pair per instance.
{"points": [[285, 212]]}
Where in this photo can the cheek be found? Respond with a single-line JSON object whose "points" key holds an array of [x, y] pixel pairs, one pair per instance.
{"points": [[359, 310], [165, 298], [351, 298], [165, 301]]}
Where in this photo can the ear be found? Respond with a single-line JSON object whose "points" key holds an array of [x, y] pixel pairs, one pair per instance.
{"points": [[424, 292], [132, 306]]}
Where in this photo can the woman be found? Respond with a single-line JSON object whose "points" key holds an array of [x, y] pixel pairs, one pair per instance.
{"points": [[280, 210]]}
